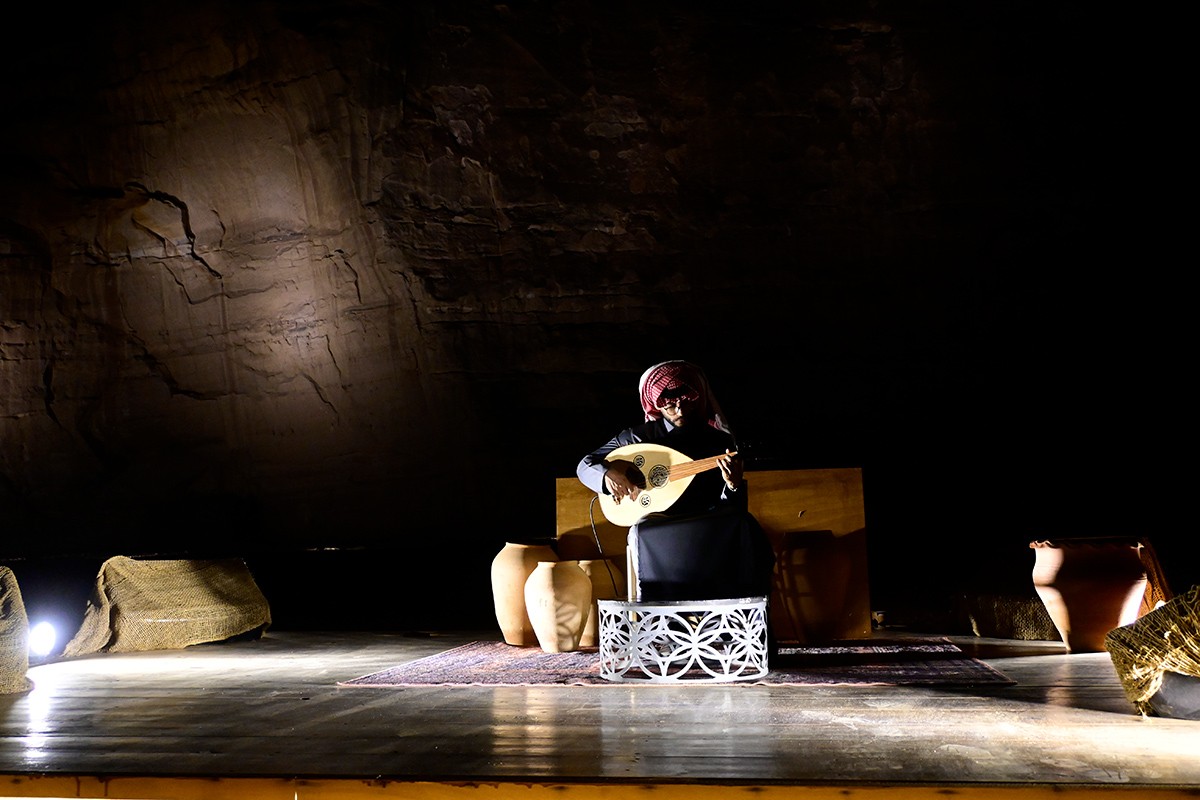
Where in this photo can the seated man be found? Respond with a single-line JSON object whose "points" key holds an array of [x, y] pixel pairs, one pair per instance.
{"points": [[707, 545]]}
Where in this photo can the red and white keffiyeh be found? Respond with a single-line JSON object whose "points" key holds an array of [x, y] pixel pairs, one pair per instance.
{"points": [[679, 375]]}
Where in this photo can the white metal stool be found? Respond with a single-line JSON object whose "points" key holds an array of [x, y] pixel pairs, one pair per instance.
{"points": [[683, 640]]}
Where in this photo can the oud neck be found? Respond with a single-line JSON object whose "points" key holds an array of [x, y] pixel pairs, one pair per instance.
{"points": [[696, 467]]}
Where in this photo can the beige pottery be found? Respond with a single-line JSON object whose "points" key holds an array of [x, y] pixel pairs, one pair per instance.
{"points": [[511, 567], [608, 583], [558, 597]]}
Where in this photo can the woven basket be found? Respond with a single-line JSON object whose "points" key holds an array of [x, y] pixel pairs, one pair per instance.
{"points": [[168, 604], [14, 636], [1166, 639]]}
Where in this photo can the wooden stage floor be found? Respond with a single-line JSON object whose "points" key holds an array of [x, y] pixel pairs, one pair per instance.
{"points": [[266, 719]]}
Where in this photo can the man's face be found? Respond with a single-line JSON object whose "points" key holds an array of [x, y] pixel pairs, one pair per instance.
{"points": [[678, 405]]}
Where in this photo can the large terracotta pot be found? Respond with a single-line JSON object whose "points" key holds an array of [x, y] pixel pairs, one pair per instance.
{"points": [[608, 583], [558, 596], [511, 567], [1089, 587]]}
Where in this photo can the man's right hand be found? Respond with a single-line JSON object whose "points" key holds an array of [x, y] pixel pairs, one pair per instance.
{"points": [[616, 480]]}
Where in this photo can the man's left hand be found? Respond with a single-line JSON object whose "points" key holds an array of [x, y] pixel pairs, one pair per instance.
{"points": [[731, 470]]}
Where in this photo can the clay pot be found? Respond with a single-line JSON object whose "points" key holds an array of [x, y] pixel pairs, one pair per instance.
{"points": [[608, 583], [1089, 587], [558, 597], [511, 568]]}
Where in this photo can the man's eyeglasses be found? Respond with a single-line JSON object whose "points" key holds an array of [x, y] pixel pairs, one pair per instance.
{"points": [[672, 398]]}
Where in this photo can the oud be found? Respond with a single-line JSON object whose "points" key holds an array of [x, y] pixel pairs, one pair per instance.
{"points": [[662, 475]]}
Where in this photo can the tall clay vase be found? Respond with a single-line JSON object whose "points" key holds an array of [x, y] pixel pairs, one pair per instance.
{"points": [[511, 567], [1089, 587], [608, 583], [558, 595]]}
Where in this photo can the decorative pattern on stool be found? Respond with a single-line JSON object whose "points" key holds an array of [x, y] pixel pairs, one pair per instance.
{"points": [[683, 640]]}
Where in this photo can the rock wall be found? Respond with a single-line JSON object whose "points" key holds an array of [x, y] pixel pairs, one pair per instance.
{"points": [[369, 275]]}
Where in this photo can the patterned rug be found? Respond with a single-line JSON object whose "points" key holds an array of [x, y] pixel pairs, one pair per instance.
{"points": [[934, 662]]}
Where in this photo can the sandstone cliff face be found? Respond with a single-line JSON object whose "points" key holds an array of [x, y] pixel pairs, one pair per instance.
{"points": [[333, 274]]}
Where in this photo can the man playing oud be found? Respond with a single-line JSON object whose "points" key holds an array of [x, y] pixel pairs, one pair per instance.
{"points": [[682, 414], [706, 543]]}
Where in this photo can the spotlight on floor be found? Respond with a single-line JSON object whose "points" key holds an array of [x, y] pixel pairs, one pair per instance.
{"points": [[42, 638]]}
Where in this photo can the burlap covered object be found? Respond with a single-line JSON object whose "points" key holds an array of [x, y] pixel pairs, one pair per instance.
{"points": [[14, 636], [168, 604], [1166, 639]]}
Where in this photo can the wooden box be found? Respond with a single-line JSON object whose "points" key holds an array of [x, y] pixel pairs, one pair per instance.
{"points": [[816, 523]]}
